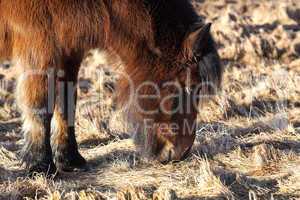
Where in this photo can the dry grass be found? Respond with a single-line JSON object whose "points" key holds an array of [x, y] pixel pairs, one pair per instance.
{"points": [[248, 141]]}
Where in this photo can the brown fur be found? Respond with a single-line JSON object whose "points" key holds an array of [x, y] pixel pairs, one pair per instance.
{"points": [[155, 40]]}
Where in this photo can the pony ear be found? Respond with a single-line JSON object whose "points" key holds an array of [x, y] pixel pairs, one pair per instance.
{"points": [[196, 38]]}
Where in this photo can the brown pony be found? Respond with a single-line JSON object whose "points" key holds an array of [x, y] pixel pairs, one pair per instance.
{"points": [[167, 52]]}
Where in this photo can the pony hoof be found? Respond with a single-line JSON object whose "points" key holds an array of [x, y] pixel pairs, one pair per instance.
{"points": [[47, 169], [71, 163]]}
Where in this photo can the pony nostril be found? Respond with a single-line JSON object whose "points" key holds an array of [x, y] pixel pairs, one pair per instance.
{"points": [[186, 153], [166, 155], [172, 155]]}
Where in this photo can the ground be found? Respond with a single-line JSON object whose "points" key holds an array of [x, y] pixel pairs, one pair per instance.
{"points": [[248, 140]]}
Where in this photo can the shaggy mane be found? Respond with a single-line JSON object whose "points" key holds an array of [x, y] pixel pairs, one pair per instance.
{"points": [[159, 29]]}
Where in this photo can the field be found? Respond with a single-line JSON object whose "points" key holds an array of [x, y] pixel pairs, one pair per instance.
{"points": [[248, 139]]}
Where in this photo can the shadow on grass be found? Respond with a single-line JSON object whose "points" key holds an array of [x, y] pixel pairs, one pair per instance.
{"points": [[289, 145], [214, 138], [258, 108], [9, 127], [245, 187], [202, 198], [76, 181], [103, 141], [128, 156], [250, 29], [10, 175], [296, 125]]}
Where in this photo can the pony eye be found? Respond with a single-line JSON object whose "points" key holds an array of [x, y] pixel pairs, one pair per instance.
{"points": [[198, 57]]}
